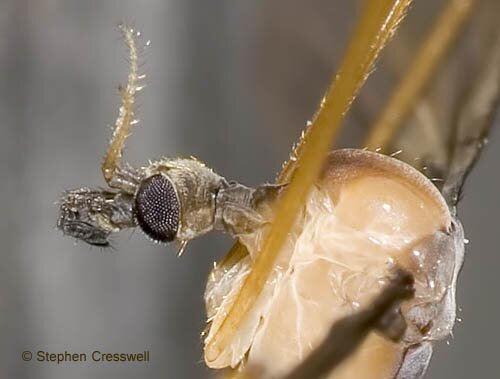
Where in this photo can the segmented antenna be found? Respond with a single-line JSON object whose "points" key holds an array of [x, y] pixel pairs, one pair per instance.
{"points": [[113, 158]]}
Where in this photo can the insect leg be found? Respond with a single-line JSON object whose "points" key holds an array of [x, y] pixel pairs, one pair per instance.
{"points": [[420, 73], [473, 125], [349, 332], [117, 173]]}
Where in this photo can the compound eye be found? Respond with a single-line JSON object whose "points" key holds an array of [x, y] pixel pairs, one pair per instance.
{"points": [[157, 208]]}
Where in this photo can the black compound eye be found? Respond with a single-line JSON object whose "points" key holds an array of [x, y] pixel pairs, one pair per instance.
{"points": [[157, 208]]}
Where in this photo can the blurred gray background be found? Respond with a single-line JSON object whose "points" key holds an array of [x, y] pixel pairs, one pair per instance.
{"points": [[231, 82]]}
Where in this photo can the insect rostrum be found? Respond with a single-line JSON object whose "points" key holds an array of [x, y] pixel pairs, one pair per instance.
{"points": [[169, 199]]}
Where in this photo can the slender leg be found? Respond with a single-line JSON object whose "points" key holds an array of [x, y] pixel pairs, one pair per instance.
{"points": [[348, 333], [471, 130]]}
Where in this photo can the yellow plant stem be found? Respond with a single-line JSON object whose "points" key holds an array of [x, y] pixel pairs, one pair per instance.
{"points": [[431, 53]]}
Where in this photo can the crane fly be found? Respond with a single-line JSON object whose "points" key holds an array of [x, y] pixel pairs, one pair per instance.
{"points": [[171, 199], [315, 249]]}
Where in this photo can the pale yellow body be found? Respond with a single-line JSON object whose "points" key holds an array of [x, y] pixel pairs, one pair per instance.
{"points": [[368, 213]]}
